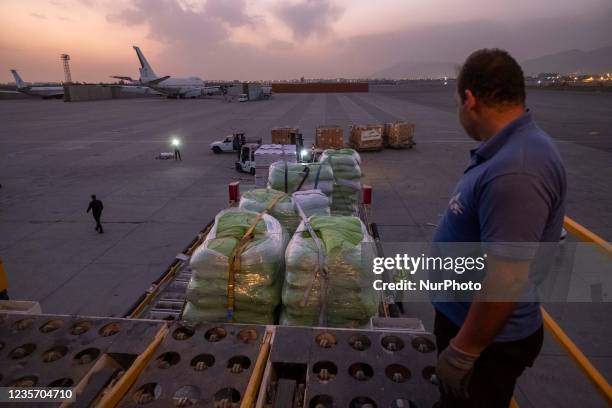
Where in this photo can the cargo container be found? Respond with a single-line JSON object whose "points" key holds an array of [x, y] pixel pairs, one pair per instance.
{"points": [[366, 137], [399, 135], [284, 134], [329, 137]]}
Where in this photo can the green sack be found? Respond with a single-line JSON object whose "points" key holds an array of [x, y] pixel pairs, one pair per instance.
{"points": [[350, 297], [320, 176], [258, 200], [345, 164], [258, 283]]}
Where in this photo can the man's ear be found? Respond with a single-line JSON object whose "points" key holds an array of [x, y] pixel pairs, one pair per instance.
{"points": [[470, 100]]}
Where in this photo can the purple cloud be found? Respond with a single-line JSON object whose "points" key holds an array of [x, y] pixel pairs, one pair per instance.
{"points": [[309, 17]]}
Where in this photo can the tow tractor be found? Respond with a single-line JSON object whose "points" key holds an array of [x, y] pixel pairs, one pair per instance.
{"points": [[246, 158], [232, 143]]}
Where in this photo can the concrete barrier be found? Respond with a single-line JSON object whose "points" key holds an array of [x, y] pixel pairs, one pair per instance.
{"points": [[80, 93], [320, 87]]}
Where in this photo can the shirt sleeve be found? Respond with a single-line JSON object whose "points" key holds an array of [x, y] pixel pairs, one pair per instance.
{"points": [[513, 212]]}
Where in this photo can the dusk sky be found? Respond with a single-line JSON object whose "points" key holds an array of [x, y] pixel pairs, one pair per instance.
{"points": [[274, 39]]}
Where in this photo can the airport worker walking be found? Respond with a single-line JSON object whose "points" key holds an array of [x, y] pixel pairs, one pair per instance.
{"points": [[96, 208], [177, 153], [509, 200]]}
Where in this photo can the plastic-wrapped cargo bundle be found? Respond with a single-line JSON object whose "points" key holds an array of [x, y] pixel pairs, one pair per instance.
{"points": [[345, 164], [267, 154], [258, 200], [313, 202], [258, 281], [318, 176], [349, 299]]}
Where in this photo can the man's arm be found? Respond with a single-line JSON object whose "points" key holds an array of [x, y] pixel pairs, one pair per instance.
{"points": [[505, 281], [89, 208], [513, 213], [513, 210]]}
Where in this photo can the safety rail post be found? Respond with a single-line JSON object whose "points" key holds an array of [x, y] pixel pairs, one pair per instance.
{"points": [[234, 192], [3, 277], [366, 194]]}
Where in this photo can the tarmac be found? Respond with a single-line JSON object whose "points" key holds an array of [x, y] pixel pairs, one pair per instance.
{"points": [[54, 155]]}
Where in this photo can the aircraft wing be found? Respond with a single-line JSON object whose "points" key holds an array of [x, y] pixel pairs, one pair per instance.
{"points": [[135, 89], [124, 78], [157, 80]]}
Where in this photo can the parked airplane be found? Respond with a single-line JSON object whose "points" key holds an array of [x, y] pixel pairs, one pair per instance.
{"points": [[43, 91], [172, 87]]}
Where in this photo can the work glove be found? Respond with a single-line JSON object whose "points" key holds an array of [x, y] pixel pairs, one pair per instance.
{"points": [[454, 370]]}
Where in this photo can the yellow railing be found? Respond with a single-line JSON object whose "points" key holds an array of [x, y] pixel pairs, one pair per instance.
{"points": [[586, 235], [555, 330], [579, 358]]}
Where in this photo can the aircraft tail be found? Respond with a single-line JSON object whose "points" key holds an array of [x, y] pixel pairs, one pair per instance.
{"points": [[146, 72], [20, 82]]}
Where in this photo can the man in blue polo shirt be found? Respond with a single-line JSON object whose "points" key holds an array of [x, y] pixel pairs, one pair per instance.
{"points": [[512, 192]]}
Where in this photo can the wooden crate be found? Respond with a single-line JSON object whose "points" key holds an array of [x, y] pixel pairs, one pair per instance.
{"points": [[282, 135], [366, 137], [329, 137], [399, 135]]}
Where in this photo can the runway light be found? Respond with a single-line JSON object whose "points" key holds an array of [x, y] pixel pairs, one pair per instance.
{"points": [[176, 142]]}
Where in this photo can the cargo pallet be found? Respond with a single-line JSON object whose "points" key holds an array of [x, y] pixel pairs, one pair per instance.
{"points": [[154, 358], [574, 228]]}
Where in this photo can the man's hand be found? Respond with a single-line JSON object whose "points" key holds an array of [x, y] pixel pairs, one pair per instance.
{"points": [[454, 370]]}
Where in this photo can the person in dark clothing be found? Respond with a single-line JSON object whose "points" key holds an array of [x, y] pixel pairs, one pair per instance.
{"points": [[96, 208], [177, 153], [510, 199]]}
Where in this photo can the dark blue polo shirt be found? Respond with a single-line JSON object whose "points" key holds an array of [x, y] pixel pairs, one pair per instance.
{"points": [[513, 191]]}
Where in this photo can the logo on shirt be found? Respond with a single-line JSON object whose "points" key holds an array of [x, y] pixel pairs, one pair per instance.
{"points": [[454, 205]]}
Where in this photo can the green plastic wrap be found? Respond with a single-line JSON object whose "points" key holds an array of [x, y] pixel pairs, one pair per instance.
{"points": [[312, 202], [345, 164], [350, 298], [320, 176], [258, 200], [258, 283]]}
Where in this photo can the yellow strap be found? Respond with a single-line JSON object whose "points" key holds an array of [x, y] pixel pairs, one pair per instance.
{"points": [[234, 260]]}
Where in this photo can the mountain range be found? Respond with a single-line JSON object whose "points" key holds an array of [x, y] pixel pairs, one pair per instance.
{"points": [[565, 62], [571, 61]]}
